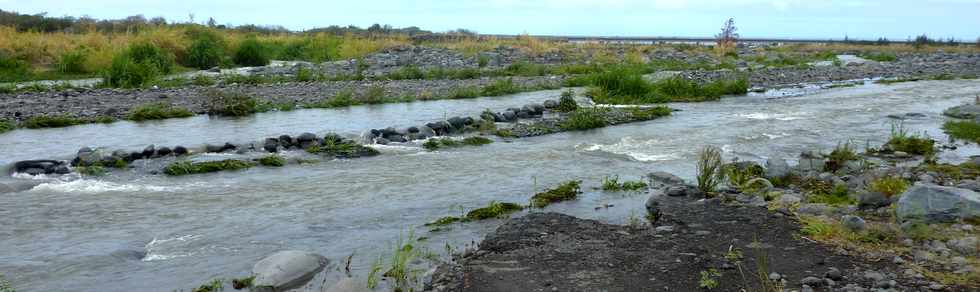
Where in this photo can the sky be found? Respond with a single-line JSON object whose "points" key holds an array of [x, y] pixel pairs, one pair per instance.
{"points": [[815, 19]]}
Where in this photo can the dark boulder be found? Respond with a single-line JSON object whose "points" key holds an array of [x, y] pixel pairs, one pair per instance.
{"points": [[271, 145], [228, 146], [148, 151], [509, 116], [550, 104], [457, 122], [426, 132], [306, 137], [285, 141], [164, 151], [413, 129], [213, 148], [468, 121], [397, 138], [37, 167], [181, 150]]}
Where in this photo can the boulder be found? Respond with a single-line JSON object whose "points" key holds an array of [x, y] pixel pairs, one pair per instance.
{"points": [[271, 145], [872, 200], [306, 137], [332, 138], [536, 108], [776, 168], [853, 223], [286, 270], [89, 157], [550, 104], [935, 204], [468, 121], [426, 132], [164, 151], [665, 178], [509, 116], [37, 167], [966, 111], [344, 285], [181, 150], [457, 122], [148, 151], [228, 146], [413, 129], [809, 163], [285, 141], [397, 138], [213, 148]]}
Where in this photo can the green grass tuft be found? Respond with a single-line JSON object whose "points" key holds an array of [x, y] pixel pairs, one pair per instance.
{"points": [[564, 192], [963, 130], [231, 103], [584, 119], [158, 111], [187, 167], [273, 160], [889, 186], [567, 102], [45, 121], [494, 210], [6, 126], [613, 184]]}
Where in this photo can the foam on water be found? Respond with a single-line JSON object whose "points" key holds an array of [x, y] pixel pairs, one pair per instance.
{"points": [[158, 244], [90, 186], [773, 116], [645, 151]]}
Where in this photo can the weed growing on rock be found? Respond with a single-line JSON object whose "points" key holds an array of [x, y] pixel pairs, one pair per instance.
{"points": [[709, 173], [504, 133], [187, 167], [889, 186], [434, 144], [213, 286], [584, 119], [644, 114], [564, 192], [494, 210], [476, 141], [158, 111], [91, 170], [273, 160], [242, 283], [6, 126], [567, 102], [964, 130], [231, 103], [342, 149]]}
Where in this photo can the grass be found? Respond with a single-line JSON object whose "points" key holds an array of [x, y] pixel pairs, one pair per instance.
{"points": [[53, 121], [501, 87], [901, 140], [644, 114], [435, 144], [889, 186], [273, 160], [231, 103], [342, 148], [6, 126], [621, 85], [708, 279], [213, 286], [612, 184], [187, 167], [879, 56], [91, 170], [242, 283], [398, 267], [840, 156], [566, 103], [835, 196], [709, 172], [584, 119], [5, 286], [158, 111], [494, 210], [963, 130], [566, 191]]}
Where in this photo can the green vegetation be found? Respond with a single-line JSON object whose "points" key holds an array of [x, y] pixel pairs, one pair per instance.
{"points": [[213, 286], [273, 160], [964, 130], [889, 186], [464, 92], [406, 278], [434, 144], [621, 85], [188, 167], [494, 210], [564, 192], [644, 114], [5, 286], [251, 53], [242, 283], [45, 121], [231, 103], [206, 49], [340, 148], [612, 184], [708, 279], [72, 62], [139, 65], [504, 133], [6, 126], [501, 87], [901, 140], [709, 172], [879, 56], [584, 119], [835, 196], [741, 176], [158, 111], [567, 102], [840, 156]]}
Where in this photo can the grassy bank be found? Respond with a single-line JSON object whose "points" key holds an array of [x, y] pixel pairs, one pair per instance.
{"points": [[620, 85]]}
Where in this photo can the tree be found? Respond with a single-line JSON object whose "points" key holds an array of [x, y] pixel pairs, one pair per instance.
{"points": [[211, 22], [727, 39]]}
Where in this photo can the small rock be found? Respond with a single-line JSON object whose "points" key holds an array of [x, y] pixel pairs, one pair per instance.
{"points": [[812, 281], [853, 223], [834, 274], [286, 270]]}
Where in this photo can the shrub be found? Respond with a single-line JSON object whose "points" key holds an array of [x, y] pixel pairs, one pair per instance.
{"points": [[567, 102], [46, 121], [250, 53], [374, 95], [13, 69], [964, 130], [140, 64], [72, 62], [151, 54], [273, 160], [889, 186], [709, 173], [564, 192], [584, 119], [304, 74], [204, 53], [6, 126], [158, 111], [231, 103], [188, 167]]}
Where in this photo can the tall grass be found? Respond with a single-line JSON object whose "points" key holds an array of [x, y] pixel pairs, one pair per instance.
{"points": [[625, 85], [709, 172]]}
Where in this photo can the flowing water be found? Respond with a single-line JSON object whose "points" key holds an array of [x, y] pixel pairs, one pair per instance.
{"points": [[130, 231]]}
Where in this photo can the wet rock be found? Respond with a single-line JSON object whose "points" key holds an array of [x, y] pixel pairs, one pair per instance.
{"points": [[228, 146], [425, 132], [271, 145], [969, 184], [285, 141], [812, 281], [344, 285], [181, 150], [550, 104], [286, 270], [653, 203], [966, 111], [88, 156], [665, 178], [509, 116], [382, 141], [37, 167], [872, 200], [149, 151], [397, 139], [808, 164], [853, 223], [213, 148], [164, 151], [676, 191], [457, 122], [934, 204], [306, 137]]}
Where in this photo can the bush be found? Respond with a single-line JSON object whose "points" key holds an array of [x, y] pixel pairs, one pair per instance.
{"points": [[613, 184], [72, 62], [564, 192], [567, 102], [204, 53], [584, 119], [13, 69], [45, 121], [709, 172], [138, 66], [6, 126], [151, 54], [901, 140], [273, 160], [250, 53], [187, 167], [158, 111], [838, 195], [232, 104]]}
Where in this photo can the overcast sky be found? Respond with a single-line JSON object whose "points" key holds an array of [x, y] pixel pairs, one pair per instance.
{"points": [[866, 19]]}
